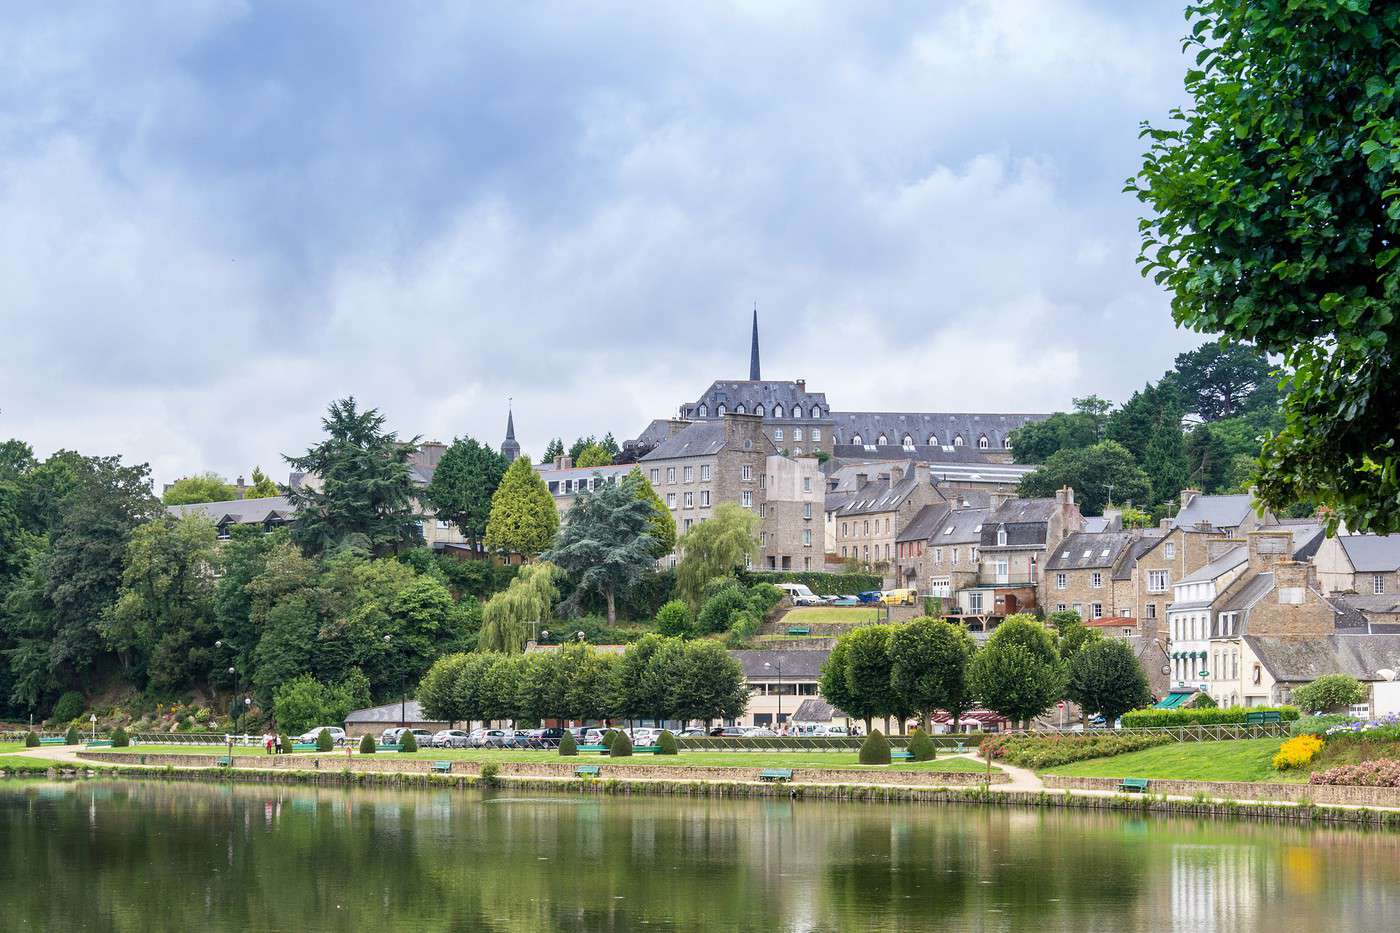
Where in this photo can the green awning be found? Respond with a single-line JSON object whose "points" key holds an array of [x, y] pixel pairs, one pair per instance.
{"points": [[1174, 699]]}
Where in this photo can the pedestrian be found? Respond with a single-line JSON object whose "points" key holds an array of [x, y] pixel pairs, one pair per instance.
{"points": [[269, 742]]}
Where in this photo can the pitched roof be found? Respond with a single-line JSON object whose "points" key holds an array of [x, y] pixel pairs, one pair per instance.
{"points": [[1220, 511], [796, 663], [880, 496], [1227, 561], [1372, 553], [238, 511], [1308, 536], [946, 426], [697, 439], [1091, 550], [949, 526], [1024, 521], [1301, 660], [924, 523], [815, 709], [754, 392]]}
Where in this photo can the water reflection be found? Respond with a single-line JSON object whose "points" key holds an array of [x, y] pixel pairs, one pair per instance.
{"points": [[170, 856]]}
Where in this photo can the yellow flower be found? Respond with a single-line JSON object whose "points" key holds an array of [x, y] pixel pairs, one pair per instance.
{"points": [[1297, 752]]}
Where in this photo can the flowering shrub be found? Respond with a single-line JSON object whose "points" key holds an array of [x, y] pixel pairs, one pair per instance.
{"points": [[1318, 725], [1383, 772], [1385, 728], [1033, 751], [1297, 752]]}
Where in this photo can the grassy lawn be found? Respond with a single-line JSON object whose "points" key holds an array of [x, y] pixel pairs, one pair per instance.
{"points": [[1232, 760], [805, 614], [18, 763], [218, 750], [7, 747]]}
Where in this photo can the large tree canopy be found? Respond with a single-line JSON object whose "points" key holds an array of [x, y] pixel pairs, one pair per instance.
{"points": [[523, 518], [205, 487], [463, 483], [1275, 219], [606, 545], [1093, 473], [714, 549]]}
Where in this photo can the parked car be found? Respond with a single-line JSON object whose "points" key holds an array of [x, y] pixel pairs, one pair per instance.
{"points": [[692, 732], [489, 738], [520, 738], [869, 596], [800, 594], [309, 738], [900, 597], [393, 736], [728, 732], [843, 601], [549, 738], [760, 732], [450, 738]]}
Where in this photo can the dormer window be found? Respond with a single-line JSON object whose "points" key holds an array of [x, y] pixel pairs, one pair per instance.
{"points": [[1001, 537], [908, 441], [1006, 444], [758, 410], [958, 441], [855, 439], [704, 410], [797, 411], [720, 410], [778, 410], [983, 443], [933, 440], [882, 440], [741, 410]]}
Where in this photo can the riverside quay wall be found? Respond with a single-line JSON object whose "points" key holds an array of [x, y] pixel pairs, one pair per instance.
{"points": [[1327, 794]]}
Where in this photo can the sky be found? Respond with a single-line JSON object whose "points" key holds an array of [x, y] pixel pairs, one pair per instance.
{"points": [[217, 217]]}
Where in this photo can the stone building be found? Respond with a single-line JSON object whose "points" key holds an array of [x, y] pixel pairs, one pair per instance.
{"points": [[565, 481], [868, 526], [1366, 565], [1092, 574], [791, 535], [1017, 539], [936, 553]]}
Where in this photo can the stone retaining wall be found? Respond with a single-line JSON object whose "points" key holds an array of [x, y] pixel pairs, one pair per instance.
{"points": [[563, 769], [1241, 790]]}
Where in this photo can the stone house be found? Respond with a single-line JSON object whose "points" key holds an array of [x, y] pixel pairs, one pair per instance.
{"points": [[1367, 565], [1016, 540], [1091, 574], [1233, 514], [1271, 668], [791, 535], [779, 681], [1191, 614], [868, 526], [937, 552]]}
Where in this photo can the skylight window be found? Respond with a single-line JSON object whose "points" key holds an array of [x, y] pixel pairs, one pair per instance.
{"points": [[948, 530], [1103, 553], [1088, 552]]}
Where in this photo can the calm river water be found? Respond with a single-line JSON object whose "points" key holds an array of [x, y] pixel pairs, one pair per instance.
{"points": [[141, 856]]}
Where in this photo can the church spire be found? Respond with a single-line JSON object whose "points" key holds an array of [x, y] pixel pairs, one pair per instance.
{"points": [[753, 353], [510, 449]]}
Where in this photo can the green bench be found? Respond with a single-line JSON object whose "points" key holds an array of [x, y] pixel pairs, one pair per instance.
{"points": [[1261, 717], [587, 771], [646, 750], [442, 767], [305, 747], [224, 761], [386, 748], [99, 743], [593, 748], [56, 740], [901, 754], [1134, 785], [799, 630], [775, 774]]}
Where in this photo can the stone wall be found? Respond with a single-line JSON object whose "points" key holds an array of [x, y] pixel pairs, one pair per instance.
{"points": [[1115, 596], [1240, 790]]}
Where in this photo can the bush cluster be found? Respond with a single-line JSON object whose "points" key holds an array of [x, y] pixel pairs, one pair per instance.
{"points": [[324, 742], [31, 739], [367, 745], [875, 750], [69, 707], [1153, 718], [1382, 772], [1037, 752], [666, 743], [74, 737], [284, 742], [823, 584], [119, 738], [1317, 725], [567, 746], [490, 774], [674, 619], [408, 742], [1297, 752], [621, 746]]}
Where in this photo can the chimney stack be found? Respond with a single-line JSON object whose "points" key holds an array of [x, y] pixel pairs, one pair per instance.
{"points": [[1186, 495], [896, 474], [861, 480], [1267, 548], [802, 385], [1065, 495], [1217, 548]]}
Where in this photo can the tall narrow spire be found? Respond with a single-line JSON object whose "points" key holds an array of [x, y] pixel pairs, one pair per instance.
{"points": [[510, 449], [753, 353]]}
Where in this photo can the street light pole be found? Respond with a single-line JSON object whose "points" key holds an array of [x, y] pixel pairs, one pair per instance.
{"points": [[779, 668]]}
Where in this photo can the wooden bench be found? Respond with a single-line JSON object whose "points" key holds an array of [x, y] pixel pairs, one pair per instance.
{"points": [[1262, 717], [587, 771], [442, 767], [799, 630], [305, 747], [1134, 785], [901, 754], [223, 761], [99, 743], [53, 741], [775, 774], [593, 748]]}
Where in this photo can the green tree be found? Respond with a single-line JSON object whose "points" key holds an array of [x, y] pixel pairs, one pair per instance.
{"points": [[363, 493], [1219, 379], [203, 487], [593, 455], [1330, 693], [715, 548], [711, 684], [606, 544], [663, 523], [588, 677], [238, 561], [642, 687], [553, 451], [868, 673], [834, 682], [437, 691], [1274, 218], [506, 618], [1105, 678], [1149, 425], [262, 487], [1018, 672], [304, 701], [463, 484], [1090, 471], [674, 619], [523, 518], [928, 667], [1036, 441]]}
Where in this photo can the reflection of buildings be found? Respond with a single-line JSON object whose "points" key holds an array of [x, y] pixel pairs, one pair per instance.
{"points": [[1216, 887]]}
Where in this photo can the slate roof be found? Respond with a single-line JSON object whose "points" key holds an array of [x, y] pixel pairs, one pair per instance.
{"points": [[697, 439], [238, 511], [1091, 551], [1220, 511], [1372, 553], [766, 392], [1385, 604], [1308, 536], [925, 522], [941, 454], [868, 425], [1231, 558], [551, 475], [797, 663], [954, 526], [815, 709], [1024, 520], [1302, 660], [1246, 598], [879, 496]]}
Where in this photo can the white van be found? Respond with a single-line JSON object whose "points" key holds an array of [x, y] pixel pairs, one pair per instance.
{"points": [[800, 594]]}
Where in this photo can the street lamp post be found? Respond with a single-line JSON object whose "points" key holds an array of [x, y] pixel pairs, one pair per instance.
{"points": [[93, 720], [779, 667]]}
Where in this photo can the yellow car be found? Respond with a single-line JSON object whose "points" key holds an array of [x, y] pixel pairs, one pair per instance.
{"points": [[901, 597]]}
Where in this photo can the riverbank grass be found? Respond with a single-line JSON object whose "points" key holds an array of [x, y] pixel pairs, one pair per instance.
{"points": [[843, 614], [1230, 760]]}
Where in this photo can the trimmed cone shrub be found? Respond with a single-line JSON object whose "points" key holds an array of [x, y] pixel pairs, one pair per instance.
{"points": [[408, 742], [490, 774], [284, 742], [621, 746], [875, 750], [324, 742], [74, 737], [666, 743], [921, 746], [31, 740], [567, 746], [119, 738], [609, 736], [367, 745]]}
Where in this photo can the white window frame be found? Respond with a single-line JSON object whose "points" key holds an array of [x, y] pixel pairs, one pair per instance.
{"points": [[1061, 581], [704, 498], [747, 498], [670, 476], [1096, 580], [1378, 584]]}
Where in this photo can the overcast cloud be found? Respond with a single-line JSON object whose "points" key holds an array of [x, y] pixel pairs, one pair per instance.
{"points": [[216, 217]]}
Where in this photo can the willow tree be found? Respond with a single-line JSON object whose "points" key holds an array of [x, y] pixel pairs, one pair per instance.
{"points": [[715, 548], [507, 617]]}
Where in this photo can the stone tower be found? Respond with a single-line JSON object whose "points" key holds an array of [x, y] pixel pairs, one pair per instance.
{"points": [[510, 448]]}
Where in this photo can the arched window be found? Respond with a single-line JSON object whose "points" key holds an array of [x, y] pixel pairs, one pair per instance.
{"points": [[882, 440], [855, 439], [704, 410], [758, 410], [982, 443], [1007, 442], [933, 440], [1001, 537], [778, 410], [720, 410], [741, 410], [957, 441], [908, 440], [797, 411]]}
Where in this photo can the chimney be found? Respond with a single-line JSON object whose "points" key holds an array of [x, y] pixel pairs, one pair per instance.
{"points": [[896, 474], [1186, 495], [1267, 548], [675, 426], [1113, 518], [997, 499], [921, 473], [1219, 547], [861, 480], [801, 385], [241, 484], [1203, 527], [1165, 523], [1065, 495], [566, 462]]}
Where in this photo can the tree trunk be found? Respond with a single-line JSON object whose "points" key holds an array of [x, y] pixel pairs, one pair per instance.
{"points": [[612, 607]]}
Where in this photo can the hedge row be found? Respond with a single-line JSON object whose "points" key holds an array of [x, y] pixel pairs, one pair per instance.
{"points": [[1152, 718], [1037, 752], [823, 584]]}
